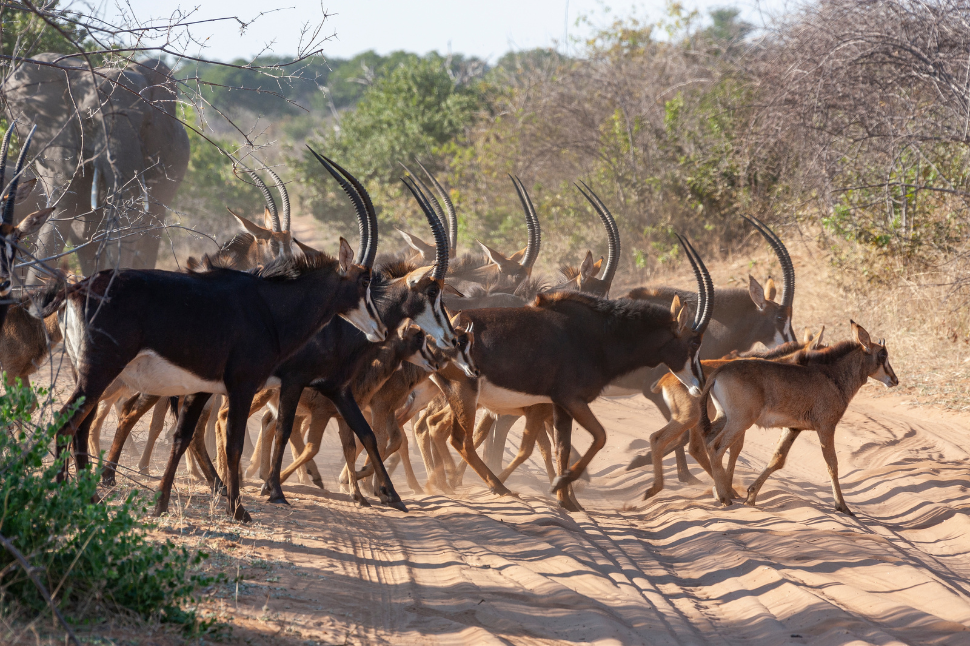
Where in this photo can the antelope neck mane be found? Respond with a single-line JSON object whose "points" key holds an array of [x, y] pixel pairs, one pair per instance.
{"points": [[393, 269], [782, 350], [832, 354], [281, 269], [621, 308], [570, 272]]}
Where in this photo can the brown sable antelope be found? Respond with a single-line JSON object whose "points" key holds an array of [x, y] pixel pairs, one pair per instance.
{"points": [[329, 362], [408, 343], [126, 323], [388, 403], [810, 397], [565, 350], [685, 412], [740, 319], [26, 342], [10, 233], [584, 279]]}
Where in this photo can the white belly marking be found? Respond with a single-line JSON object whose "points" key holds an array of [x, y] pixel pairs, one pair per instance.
{"points": [[496, 398], [152, 374]]}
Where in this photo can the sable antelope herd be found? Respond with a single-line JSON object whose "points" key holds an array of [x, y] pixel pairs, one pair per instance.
{"points": [[459, 345]]}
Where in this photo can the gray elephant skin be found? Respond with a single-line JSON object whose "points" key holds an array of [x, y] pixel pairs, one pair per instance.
{"points": [[123, 133]]}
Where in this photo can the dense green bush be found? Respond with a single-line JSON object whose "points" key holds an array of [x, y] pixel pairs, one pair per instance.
{"points": [[93, 556]]}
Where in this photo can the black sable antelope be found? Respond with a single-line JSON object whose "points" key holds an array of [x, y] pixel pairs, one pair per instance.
{"points": [[330, 361], [565, 350], [215, 331]]}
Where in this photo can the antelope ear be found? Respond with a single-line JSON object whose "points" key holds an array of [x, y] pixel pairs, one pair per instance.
{"points": [[770, 290], [454, 318], [587, 268], [34, 221], [417, 276], [267, 218], [861, 337], [495, 257], [251, 227], [451, 290], [817, 341], [426, 250], [683, 320], [597, 266], [675, 307], [518, 255], [24, 190], [757, 293], [806, 336], [307, 250], [345, 256]]}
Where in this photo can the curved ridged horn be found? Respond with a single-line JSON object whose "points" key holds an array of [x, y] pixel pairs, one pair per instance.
{"points": [[787, 268], [267, 196], [531, 222], [439, 212], [452, 213], [4, 149], [373, 236], [360, 210], [440, 237], [612, 233], [284, 198], [12, 191], [705, 286]]}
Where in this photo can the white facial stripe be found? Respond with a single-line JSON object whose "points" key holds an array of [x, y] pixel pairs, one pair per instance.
{"points": [[688, 378], [364, 317], [433, 321]]}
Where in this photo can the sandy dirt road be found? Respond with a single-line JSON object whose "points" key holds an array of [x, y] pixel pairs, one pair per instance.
{"points": [[479, 569]]}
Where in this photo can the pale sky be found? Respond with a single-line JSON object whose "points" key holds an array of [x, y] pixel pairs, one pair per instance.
{"points": [[486, 29]]}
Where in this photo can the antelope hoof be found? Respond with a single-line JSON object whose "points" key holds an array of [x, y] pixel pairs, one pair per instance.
{"points": [[650, 493], [640, 461], [559, 483], [143, 471], [569, 505], [108, 480], [751, 499], [319, 482], [397, 504], [360, 500], [264, 490], [844, 509], [161, 507], [501, 490], [240, 514]]}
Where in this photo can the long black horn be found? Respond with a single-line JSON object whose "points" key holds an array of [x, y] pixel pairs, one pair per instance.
{"points": [[531, 222], [12, 191], [267, 196], [433, 201], [373, 236], [612, 233], [787, 268], [284, 198], [705, 286], [440, 238], [4, 148], [452, 213], [363, 223]]}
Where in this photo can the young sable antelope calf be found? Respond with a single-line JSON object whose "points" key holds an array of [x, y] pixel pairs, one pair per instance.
{"points": [[685, 411], [799, 397]]}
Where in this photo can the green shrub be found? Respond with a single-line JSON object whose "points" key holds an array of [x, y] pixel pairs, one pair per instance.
{"points": [[93, 556]]}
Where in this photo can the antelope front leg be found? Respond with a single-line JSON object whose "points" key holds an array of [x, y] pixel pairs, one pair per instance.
{"points": [[239, 404], [157, 426], [184, 431], [562, 445], [660, 441], [289, 400], [827, 439], [318, 424], [785, 442], [350, 411]]}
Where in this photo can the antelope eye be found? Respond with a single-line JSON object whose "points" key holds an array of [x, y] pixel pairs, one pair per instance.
{"points": [[433, 291], [365, 280]]}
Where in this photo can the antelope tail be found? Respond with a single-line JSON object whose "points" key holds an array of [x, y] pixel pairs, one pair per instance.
{"points": [[705, 418]]}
